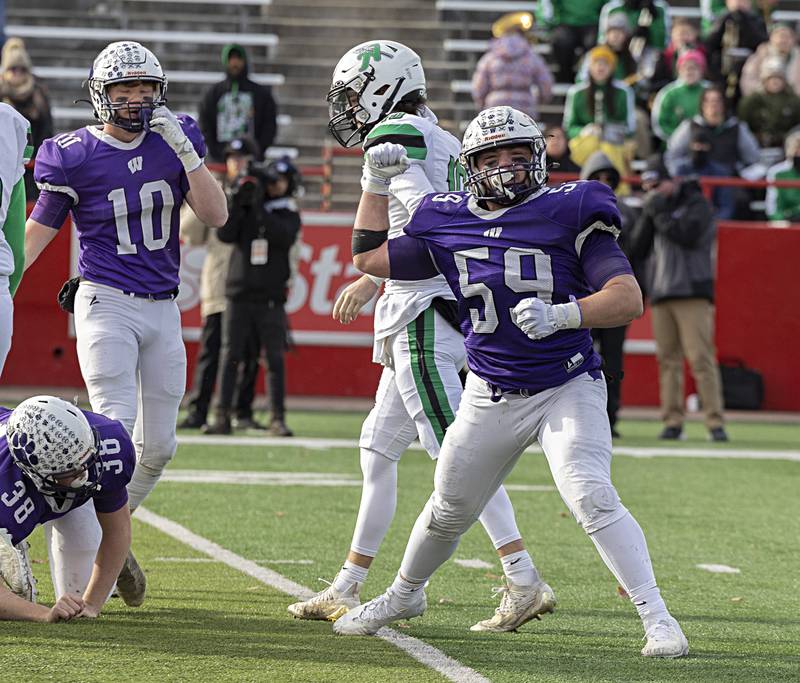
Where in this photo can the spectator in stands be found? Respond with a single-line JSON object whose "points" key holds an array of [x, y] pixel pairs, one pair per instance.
{"points": [[716, 144], [618, 34], [649, 20], [238, 155], [573, 31], [734, 37], [775, 110], [558, 150], [683, 36], [634, 72], [731, 143], [611, 340], [677, 225], [263, 226], [599, 113], [783, 203], [782, 45], [510, 71], [237, 107], [20, 89], [680, 100]]}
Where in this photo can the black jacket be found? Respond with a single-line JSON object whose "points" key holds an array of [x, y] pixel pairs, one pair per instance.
{"points": [[279, 224], [243, 108], [680, 234]]}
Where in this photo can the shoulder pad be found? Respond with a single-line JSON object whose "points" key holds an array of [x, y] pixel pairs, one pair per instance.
{"points": [[192, 131], [598, 203], [407, 130], [435, 209], [58, 156]]}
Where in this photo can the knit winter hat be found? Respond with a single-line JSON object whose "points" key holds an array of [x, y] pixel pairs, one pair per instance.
{"points": [[603, 52], [772, 67], [15, 54], [692, 56]]}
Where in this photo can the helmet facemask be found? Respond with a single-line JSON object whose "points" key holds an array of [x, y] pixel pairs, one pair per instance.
{"points": [[137, 114], [499, 184], [348, 120]]}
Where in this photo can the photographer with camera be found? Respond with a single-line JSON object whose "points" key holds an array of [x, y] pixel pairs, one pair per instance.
{"points": [[239, 154], [263, 226]]}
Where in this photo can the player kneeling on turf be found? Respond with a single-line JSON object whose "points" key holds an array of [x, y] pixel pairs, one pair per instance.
{"points": [[54, 459]]}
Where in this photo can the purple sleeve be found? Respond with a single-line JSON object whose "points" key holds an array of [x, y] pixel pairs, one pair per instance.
{"points": [[601, 259], [409, 259], [52, 208], [119, 461], [598, 203], [110, 501]]}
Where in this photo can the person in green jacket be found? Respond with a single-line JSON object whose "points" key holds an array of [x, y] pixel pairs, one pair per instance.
{"points": [[773, 111], [572, 27], [649, 19], [15, 152], [783, 203], [599, 113], [680, 100]]}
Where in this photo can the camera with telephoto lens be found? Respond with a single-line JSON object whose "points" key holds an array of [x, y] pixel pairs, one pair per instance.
{"points": [[260, 174]]}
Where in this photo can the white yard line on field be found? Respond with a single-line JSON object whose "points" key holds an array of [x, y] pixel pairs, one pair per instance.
{"points": [[426, 654], [317, 443], [203, 560], [291, 479]]}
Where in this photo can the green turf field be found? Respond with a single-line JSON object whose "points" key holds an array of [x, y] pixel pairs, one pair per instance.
{"points": [[205, 621]]}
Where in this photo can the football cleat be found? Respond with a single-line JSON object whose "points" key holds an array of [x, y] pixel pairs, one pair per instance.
{"points": [[369, 618], [518, 606], [131, 582], [15, 568], [665, 639], [329, 604]]}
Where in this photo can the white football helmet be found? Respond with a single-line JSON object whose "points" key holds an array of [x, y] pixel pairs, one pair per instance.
{"points": [[503, 127], [125, 61], [50, 439], [367, 84]]}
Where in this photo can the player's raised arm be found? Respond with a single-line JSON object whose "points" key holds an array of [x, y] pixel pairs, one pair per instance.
{"points": [[205, 195], [371, 229]]}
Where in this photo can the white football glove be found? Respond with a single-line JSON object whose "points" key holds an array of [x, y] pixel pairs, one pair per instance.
{"points": [[168, 127], [382, 163], [538, 319]]}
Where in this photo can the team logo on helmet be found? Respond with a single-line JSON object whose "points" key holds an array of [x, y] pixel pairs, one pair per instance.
{"points": [[117, 63], [504, 127], [368, 82]]}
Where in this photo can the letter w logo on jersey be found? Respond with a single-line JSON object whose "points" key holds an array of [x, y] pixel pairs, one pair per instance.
{"points": [[493, 232], [135, 164]]}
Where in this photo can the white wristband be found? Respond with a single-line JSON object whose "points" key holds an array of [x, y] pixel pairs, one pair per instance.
{"points": [[377, 281], [374, 185], [568, 315]]}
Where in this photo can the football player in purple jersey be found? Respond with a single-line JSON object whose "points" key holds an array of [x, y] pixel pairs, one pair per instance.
{"points": [[54, 460], [124, 183], [533, 269]]}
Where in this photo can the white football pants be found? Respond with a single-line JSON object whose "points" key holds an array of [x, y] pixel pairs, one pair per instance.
{"points": [[6, 321], [418, 395], [570, 423], [133, 361]]}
